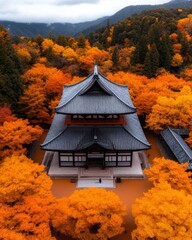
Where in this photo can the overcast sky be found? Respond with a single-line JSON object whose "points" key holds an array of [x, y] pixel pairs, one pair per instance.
{"points": [[64, 10]]}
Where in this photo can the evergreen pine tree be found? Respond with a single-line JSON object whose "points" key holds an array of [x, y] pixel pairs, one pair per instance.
{"points": [[140, 51], [115, 57], [10, 71], [165, 55], [147, 65], [81, 41], [154, 59]]}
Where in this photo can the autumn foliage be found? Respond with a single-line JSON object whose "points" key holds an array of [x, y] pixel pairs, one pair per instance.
{"points": [[172, 112], [90, 213], [15, 135], [189, 139], [6, 114], [163, 213], [165, 170], [25, 200]]}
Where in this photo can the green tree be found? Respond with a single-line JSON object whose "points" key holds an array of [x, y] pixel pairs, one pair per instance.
{"points": [[10, 69], [147, 65], [115, 57], [154, 54], [81, 41], [140, 51], [165, 53]]}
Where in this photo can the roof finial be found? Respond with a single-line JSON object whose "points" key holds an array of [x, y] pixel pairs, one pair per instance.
{"points": [[95, 69]]}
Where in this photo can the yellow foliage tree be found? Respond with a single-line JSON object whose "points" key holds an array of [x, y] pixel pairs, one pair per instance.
{"points": [[90, 213], [164, 170], [70, 55], [46, 44], [163, 213], [25, 200], [171, 112], [15, 134], [24, 55], [21, 177], [177, 60], [39, 74], [184, 25]]}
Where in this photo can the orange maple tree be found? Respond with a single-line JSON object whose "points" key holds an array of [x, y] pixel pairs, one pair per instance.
{"points": [[91, 213], [6, 114], [15, 135]]}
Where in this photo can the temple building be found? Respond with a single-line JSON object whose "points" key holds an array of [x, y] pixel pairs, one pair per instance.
{"points": [[95, 125]]}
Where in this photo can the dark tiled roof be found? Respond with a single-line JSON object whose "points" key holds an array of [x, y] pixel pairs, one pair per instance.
{"points": [[177, 145], [190, 166], [181, 131], [76, 138], [79, 98], [94, 104]]}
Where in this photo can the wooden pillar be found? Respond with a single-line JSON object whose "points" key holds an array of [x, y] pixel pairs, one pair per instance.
{"points": [[59, 159], [116, 159], [86, 165], [104, 161], [73, 159], [131, 158]]}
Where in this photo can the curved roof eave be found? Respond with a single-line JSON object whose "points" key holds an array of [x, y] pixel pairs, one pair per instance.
{"points": [[56, 129], [137, 124], [126, 101]]}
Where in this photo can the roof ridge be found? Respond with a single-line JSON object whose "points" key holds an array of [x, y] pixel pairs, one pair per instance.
{"points": [[177, 135], [118, 96], [102, 86], [120, 85], [72, 97], [71, 85], [83, 91]]}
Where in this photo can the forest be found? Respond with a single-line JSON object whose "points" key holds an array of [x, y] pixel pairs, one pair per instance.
{"points": [[151, 53]]}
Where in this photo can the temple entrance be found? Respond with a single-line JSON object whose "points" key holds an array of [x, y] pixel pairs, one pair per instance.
{"points": [[95, 159]]}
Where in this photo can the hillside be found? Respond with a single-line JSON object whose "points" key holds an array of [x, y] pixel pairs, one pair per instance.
{"points": [[137, 9], [70, 29], [33, 29]]}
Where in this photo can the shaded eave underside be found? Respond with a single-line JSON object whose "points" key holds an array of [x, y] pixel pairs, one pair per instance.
{"points": [[74, 138]]}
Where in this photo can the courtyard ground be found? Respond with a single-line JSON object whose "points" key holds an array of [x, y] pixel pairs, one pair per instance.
{"points": [[128, 190]]}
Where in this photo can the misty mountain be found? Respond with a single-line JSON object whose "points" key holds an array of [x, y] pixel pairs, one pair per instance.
{"points": [[33, 29], [137, 9], [70, 29]]}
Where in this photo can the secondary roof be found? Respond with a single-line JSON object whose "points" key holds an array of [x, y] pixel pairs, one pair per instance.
{"points": [[76, 138]]}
